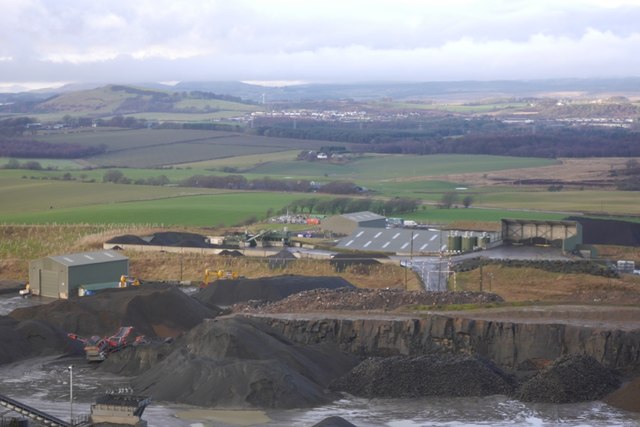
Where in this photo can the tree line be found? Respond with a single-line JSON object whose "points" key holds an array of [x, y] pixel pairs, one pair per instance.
{"points": [[342, 205], [239, 182]]}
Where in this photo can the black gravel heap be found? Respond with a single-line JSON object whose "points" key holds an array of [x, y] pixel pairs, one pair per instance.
{"points": [[442, 375], [571, 378]]}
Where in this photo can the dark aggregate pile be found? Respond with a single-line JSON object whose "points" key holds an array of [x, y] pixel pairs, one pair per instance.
{"points": [[340, 262], [231, 253], [351, 299], [227, 292], [608, 232], [172, 238], [427, 375], [152, 309], [627, 397], [554, 266], [31, 338], [128, 239], [235, 363], [334, 421], [571, 378]]}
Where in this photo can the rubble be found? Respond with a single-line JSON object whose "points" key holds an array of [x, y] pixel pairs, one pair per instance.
{"points": [[349, 299]]}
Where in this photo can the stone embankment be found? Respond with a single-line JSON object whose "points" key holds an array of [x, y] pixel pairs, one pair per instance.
{"points": [[512, 345]]}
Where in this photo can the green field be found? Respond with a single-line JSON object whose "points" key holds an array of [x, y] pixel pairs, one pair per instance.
{"points": [[390, 168], [433, 215], [118, 205], [158, 147], [33, 196]]}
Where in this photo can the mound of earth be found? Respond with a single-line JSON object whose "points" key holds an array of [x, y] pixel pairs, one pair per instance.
{"points": [[31, 338], [428, 375], [626, 397], [350, 299], [128, 239], [231, 253], [240, 363], [571, 378], [340, 262], [608, 232], [334, 422], [267, 289], [152, 309], [10, 286], [174, 238]]}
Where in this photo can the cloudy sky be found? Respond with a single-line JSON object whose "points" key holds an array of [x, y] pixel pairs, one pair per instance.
{"points": [[122, 41]]}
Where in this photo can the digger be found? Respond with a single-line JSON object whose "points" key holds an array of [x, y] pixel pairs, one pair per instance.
{"points": [[210, 275]]}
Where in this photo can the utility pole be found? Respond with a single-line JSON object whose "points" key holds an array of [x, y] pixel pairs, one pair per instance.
{"points": [[71, 393], [481, 275]]}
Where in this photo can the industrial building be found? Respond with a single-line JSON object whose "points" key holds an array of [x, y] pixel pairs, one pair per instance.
{"points": [[395, 240], [348, 223], [566, 235], [61, 276]]}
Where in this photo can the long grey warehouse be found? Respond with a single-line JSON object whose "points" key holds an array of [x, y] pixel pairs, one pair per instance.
{"points": [[61, 276]]}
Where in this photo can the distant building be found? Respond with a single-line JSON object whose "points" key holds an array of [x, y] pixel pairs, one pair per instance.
{"points": [[395, 240], [61, 276], [348, 223], [566, 235]]}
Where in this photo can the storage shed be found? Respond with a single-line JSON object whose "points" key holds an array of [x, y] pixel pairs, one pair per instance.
{"points": [[61, 276], [566, 235], [348, 223]]}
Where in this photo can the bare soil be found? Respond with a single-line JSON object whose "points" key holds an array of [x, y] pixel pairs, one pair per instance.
{"points": [[571, 171]]}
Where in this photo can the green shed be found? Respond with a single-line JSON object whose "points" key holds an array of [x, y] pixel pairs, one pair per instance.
{"points": [[61, 276]]}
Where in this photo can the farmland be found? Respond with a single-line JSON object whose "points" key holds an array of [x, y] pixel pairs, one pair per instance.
{"points": [[158, 147]]}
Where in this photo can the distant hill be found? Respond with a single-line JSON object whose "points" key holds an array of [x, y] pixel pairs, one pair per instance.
{"points": [[120, 99], [454, 91]]}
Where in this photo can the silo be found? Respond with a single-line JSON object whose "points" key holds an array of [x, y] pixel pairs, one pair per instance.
{"points": [[455, 242], [467, 243]]}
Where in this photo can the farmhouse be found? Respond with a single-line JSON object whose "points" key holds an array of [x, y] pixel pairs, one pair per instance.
{"points": [[348, 223], [61, 276]]}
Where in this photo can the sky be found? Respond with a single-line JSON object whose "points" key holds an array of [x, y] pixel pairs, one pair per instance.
{"points": [[47, 42]]}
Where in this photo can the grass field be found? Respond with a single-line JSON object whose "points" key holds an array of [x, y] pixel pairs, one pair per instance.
{"points": [[392, 168], [31, 196], [157, 147], [201, 211]]}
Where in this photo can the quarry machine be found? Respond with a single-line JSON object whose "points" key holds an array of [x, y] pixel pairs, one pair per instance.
{"points": [[97, 348], [211, 275]]}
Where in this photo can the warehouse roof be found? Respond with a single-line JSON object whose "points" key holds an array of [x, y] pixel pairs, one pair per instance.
{"points": [[363, 216], [395, 240], [84, 258]]}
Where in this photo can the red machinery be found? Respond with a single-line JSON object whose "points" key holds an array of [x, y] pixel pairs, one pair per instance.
{"points": [[97, 348]]}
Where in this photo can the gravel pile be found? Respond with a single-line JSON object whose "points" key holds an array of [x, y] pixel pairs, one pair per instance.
{"points": [[266, 289], [241, 363], [364, 299], [627, 397], [571, 378], [152, 309], [428, 375]]}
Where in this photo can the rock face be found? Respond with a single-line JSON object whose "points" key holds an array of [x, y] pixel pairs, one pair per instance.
{"points": [[235, 363], [572, 378], [428, 375], [510, 345]]}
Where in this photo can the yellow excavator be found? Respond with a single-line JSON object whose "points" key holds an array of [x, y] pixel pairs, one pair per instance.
{"points": [[126, 281], [211, 275]]}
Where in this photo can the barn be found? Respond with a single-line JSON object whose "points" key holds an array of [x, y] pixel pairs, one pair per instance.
{"points": [[566, 235], [61, 276], [348, 223]]}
